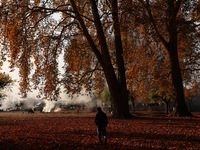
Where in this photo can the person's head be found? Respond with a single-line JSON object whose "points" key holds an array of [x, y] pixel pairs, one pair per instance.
{"points": [[99, 109]]}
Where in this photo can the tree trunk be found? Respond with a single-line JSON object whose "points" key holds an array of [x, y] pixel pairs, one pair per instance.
{"points": [[121, 109], [133, 103], [167, 108], [171, 22], [180, 108], [121, 105], [118, 89], [189, 107], [179, 103]]}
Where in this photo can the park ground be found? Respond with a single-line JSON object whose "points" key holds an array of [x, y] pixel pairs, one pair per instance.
{"points": [[71, 130]]}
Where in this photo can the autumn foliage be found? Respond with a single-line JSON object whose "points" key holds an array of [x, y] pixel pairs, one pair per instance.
{"points": [[140, 46], [69, 130]]}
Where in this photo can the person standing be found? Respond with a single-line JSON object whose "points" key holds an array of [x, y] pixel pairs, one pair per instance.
{"points": [[101, 121]]}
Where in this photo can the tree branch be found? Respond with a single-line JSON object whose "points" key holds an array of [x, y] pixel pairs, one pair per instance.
{"points": [[86, 33], [147, 7]]}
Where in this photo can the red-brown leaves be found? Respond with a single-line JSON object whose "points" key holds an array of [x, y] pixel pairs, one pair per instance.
{"points": [[78, 131]]}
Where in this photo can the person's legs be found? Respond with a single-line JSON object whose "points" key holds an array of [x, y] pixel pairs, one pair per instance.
{"points": [[99, 134], [104, 134]]}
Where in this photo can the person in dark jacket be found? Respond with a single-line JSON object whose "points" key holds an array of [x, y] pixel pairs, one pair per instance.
{"points": [[101, 121]]}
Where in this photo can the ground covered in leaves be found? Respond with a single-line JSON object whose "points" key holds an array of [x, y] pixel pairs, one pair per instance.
{"points": [[71, 130]]}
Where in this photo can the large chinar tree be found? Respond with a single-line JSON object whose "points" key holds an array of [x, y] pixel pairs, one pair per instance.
{"points": [[84, 34], [173, 24]]}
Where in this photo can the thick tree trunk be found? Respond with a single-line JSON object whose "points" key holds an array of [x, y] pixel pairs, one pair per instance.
{"points": [[179, 103], [180, 108], [119, 100], [122, 103], [118, 89], [121, 108]]}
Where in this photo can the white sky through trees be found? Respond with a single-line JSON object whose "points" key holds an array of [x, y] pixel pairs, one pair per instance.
{"points": [[15, 73]]}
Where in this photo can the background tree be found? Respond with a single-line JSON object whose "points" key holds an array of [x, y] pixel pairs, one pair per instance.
{"points": [[5, 81], [161, 96], [31, 33], [169, 24], [132, 99], [191, 94], [105, 96]]}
